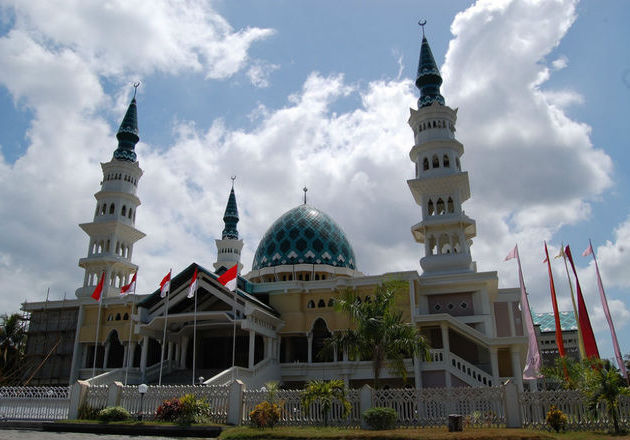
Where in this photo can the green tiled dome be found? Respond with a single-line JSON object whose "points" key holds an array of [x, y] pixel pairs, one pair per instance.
{"points": [[304, 235]]}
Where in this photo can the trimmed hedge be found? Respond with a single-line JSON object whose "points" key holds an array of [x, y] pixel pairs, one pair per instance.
{"points": [[379, 418]]}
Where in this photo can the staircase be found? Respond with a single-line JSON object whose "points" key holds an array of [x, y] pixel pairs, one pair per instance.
{"points": [[184, 377], [460, 368]]}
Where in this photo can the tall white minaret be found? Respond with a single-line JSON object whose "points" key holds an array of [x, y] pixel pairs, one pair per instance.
{"points": [[440, 186], [113, 233], [230, 246]]}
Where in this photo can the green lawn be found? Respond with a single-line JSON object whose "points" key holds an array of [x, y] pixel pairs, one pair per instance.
{"points": [[334, 433]]}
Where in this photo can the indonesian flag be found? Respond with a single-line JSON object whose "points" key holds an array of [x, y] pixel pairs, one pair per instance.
{"points": [[513, 254], [99, 288], [124, 290], [588, 251], [228, 279], [165, 285], [193, 285]]}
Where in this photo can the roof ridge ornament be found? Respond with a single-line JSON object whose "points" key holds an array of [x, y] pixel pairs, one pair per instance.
{"points": [[233, 179], [305, 189], [422, 23]]}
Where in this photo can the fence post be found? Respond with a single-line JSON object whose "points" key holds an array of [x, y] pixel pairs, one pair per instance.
{"points": [[235, 403], [114, 392], [512, 405], [78, 391], [365, 402]]}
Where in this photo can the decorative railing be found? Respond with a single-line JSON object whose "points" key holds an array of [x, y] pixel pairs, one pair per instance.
{"points": [[34, 403], [217, 397], [535, 405], [294, 413], [96, 396], [253, 378], [431, 406], [476, 375], [437, 356]]}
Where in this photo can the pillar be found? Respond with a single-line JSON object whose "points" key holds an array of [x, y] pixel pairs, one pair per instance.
{"points": [[447, 350], [417, 372], [106, 355], [516, 367], [252, 344], [184, 351], [125, 354], [494, 365], [74, 369], [169, 354], [266, 347], [84, 355], [132, 353], [310, 347], [143, 355]]}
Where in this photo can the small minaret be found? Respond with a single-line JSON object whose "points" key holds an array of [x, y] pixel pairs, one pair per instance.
{"points": [[113, 233], [440, 186], [229, 247]]}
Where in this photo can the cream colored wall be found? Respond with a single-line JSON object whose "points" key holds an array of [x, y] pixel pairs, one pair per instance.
{"points": [[87, 333]]}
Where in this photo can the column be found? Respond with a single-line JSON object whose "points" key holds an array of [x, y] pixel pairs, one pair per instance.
{"points": [[132, 353], [252, 343], [125, 354], [345, 355], [143, 355], [84, 355], [494, 364], [74, 369], [310, 347], [169, 354], [106, 356], [417, 372], [516, 367], [447, 350], [184, 352], [266, 347]]}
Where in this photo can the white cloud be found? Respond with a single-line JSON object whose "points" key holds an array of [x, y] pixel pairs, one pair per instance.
{"points": [[259, 72]]}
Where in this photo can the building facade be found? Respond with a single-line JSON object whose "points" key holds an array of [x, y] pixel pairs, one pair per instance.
{"points": [[273, 326]]}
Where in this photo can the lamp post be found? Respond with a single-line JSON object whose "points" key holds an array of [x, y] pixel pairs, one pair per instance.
{"points": [[142, 389], [201, 379]]}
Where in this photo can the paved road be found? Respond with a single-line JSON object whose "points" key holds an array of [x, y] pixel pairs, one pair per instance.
{"points": [[11, 434]]}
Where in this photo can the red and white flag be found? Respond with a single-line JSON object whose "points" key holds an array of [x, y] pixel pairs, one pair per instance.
{"points": [[513, 254], [99, 288], [124, 290], [193, 285], [165, 285], [228, 279]]}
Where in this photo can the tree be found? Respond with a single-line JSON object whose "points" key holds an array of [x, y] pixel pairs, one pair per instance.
{"points": [[379, 332], [12, 344], [604, 384], [325, 392]]}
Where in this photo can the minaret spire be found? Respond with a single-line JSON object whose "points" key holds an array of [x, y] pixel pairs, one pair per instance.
{"points": [[229, 247], [128, 132], [428, 79]]}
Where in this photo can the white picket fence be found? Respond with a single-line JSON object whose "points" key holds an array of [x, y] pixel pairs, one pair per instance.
{"points": [[34, 403], [535, 405], [294, 413]]}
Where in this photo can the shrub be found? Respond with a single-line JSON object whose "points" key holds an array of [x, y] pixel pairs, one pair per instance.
{"points": [[193, 410], [87, 412], [556, 419], [114, 414], [169, 410], [380, 417], [265, 415]]}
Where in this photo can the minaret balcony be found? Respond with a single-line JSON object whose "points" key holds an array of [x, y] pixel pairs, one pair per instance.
{"points": [[451, 183], [444, 221], [453, 262]]}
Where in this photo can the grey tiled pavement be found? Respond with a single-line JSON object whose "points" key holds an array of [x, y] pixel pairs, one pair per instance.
{"points": [[12, 434]]}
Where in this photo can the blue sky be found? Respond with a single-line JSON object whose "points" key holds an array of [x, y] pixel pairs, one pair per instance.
{"points": [[286, 94]]}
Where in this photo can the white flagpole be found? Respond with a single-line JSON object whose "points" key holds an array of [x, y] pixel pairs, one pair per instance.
{"points": [[168, 294], [133, 303], [575, 312], [194, 360], [234, 334], [98, 328]]}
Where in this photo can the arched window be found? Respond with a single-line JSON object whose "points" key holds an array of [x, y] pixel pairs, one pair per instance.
{"points": [[104, 210], [331, 302], [446, 161], [320, 333], [125, 316], [430, 207], [440, 207], [457, 164], [112, 208], [457, 248], [316, 277], [450, 206], [425, 164], [436, 161], [130, 211], [118, 316], [321, 303], [432, 245], [123, 212], [110, 317], [444, 244], [310, 305]]}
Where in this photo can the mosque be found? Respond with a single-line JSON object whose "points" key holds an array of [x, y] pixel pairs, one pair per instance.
{"points": [[274, 324]]}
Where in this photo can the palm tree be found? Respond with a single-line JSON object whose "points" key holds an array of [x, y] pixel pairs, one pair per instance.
{"points": [[604, 384], [12, 341], [326, 393], [379, 332]]}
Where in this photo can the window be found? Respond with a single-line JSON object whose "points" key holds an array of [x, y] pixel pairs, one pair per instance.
{"points": [[310, 305], [123, 212], [331, 302], [446, 162], [425, 164], [436, 161], [321, 303], [104, 210], [112, 208]]}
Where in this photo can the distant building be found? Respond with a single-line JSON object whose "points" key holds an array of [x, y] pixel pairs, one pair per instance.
{"points": [[545, 326]]}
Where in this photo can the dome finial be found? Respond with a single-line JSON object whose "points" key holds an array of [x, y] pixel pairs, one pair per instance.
{"points": [[422, 23], [135, 88], [230, 217], [305, 189], [128, 132], [233, 179]]}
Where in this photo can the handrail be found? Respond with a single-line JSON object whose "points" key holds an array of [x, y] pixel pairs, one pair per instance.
{"points": [[479, 376]]}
